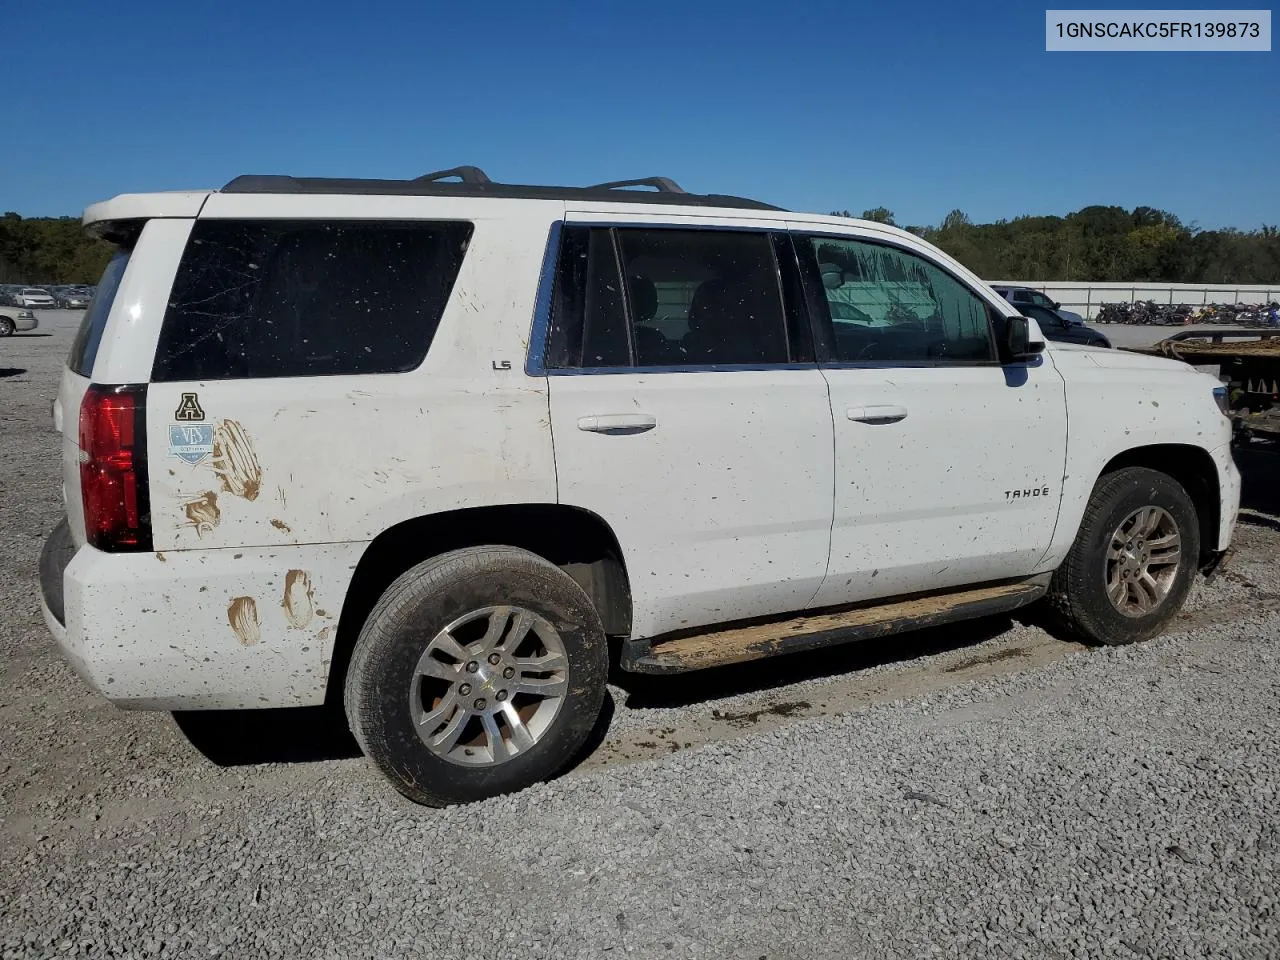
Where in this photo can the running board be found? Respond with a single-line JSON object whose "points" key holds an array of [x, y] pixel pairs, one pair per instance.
{"points": [[677, 653]]}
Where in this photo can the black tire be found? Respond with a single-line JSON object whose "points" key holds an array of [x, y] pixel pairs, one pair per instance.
{"points": [[1078, 596], [6, 327], [401, 626]]}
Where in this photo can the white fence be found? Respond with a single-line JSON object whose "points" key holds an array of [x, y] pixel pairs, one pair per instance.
{"points": [[1086, 298]]}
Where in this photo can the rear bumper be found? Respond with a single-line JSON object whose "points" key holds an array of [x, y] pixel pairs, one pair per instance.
{"points": [[200, 629]]}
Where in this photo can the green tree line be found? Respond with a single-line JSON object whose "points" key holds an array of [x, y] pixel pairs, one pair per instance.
{"points": [[1092, 244], [1102, 244], [49, 250]]}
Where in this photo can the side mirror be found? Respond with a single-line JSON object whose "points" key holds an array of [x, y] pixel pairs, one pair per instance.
{"points": [[1018, 347]]}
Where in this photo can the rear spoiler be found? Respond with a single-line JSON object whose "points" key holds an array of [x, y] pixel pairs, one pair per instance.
{"points": [[120, 218]]}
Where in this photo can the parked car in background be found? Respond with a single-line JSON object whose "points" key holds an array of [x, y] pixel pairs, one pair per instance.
{"points": [[21, 321], [72, 298], [1021, 296], [35, 298], [1055, 325]]}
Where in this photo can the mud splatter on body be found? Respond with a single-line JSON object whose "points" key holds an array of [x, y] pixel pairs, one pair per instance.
{"points": [[202, 512], [242, 614], [234, 461], [299, 599]]}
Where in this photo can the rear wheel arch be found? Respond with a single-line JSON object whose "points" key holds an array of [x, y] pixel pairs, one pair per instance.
{"points": [[577, 541], [1193, 468]]}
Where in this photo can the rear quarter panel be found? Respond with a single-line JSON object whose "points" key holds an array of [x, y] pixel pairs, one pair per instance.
{"points": [[307, 460]]}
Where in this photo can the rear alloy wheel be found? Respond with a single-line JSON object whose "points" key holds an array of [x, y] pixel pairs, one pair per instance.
{"points": [[479, 672], [6, 327], [482, 701], [1133, 560]]}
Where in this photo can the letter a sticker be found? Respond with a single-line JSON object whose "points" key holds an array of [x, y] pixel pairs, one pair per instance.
{"points": [[189, 408]]}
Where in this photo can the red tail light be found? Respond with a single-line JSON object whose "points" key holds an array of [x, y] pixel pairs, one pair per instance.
{"points": [[113, 468]]}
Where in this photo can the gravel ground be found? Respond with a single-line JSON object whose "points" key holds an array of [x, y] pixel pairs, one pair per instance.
{"points": [[972, 792]]}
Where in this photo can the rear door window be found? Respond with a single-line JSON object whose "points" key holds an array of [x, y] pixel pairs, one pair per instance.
{"points": [[255, 299], [84, 348], [670, 297]]}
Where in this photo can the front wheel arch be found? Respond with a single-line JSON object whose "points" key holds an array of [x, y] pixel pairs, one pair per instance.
{"points": [[1080, 599], [1194, 469]]}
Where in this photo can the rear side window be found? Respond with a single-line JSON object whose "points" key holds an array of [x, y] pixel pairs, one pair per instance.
{"points": [[667, 297], [277, 298], [704, 296], [84, 349]]}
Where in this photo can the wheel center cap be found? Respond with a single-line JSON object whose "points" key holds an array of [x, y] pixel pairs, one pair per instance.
{"points": [[486, 681]]}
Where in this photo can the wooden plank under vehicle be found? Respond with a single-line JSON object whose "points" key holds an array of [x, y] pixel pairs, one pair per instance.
{"points": [[696, 650]]}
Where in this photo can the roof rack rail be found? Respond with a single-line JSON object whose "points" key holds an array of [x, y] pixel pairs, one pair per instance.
{"points": [[465, 173], [469, 181], [661, 184]]}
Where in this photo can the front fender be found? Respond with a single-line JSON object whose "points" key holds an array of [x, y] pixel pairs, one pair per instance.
{"points": [[1119, 404]]}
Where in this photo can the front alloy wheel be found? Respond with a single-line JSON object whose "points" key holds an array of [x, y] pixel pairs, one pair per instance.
{"points": [[1133, 560], [1143, 560]]}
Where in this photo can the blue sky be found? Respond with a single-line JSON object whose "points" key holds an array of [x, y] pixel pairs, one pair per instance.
{"points": [[812, 105]]}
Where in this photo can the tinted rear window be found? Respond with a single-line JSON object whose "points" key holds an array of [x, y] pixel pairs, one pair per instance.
{"points": [[84, 349], [307, 298]]}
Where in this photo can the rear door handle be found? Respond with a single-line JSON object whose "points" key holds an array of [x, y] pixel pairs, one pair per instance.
{"points": [[877, 413], [618, 423]]}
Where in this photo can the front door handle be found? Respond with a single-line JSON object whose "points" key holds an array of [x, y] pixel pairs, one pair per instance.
{"points": [[878, 413], [618, 423]]}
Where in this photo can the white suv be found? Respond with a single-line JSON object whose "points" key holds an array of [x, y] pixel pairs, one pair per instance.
{"points": [[430, 448]]}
